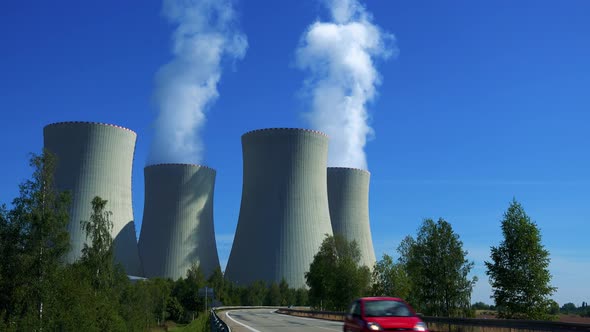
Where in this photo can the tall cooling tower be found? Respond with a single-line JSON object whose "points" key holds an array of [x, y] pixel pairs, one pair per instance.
{"points": [[284, 213], [95, 159], [177, 228], [348, 196]]}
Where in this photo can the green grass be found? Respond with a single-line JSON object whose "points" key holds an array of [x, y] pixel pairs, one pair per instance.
{"points": [[201, 324]]}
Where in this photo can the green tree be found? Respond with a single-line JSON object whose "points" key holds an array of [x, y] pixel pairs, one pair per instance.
{"points": [[74, 306], [390, 278], [436, 263], [301, 297], [274, 295], [256, 294], [217, 282], [553, 308], [99, 256], [568, 308], [174, 309], [480, 306], [114, 311], [186, 290], [287, 295], [335, 275], [519, 268], [33, 239]]}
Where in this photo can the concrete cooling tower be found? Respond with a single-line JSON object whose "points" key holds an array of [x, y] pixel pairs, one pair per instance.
{"points": [[177, 228], [348, 196], [95, 159], [284, 212]]}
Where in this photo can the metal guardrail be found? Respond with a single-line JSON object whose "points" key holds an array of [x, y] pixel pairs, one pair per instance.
{"points": [[328, 315], [464, 324], [512, 324], [217, 325]]}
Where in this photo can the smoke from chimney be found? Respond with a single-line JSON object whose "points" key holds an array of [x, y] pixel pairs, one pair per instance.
{"points": [[339, 58], [187, 86]]}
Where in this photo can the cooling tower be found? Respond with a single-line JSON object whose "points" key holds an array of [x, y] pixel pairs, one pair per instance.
{"points": [[348, 196], [95, 159], [284, 212], [177, 228]]}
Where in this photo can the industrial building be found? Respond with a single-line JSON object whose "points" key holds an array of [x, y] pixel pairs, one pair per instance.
{"points": [[96, 159], [284, 213], [177, 228], [348, 197]]}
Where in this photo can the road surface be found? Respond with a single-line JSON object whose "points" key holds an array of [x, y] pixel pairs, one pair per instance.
{"points": [[266, 320]]}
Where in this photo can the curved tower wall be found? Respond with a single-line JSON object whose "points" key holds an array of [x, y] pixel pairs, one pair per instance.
{"points": [[348, 196], [177, 228], [95, 159], [284, 212]]}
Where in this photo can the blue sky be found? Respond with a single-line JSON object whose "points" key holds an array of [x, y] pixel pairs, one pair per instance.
{"points": [[484, 101]]}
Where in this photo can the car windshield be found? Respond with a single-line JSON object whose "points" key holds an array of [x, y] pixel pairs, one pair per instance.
{"points": [[387, 308]]}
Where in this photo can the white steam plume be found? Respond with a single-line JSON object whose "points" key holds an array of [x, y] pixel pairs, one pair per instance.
{"points": [[339, 57], [185, 87]]}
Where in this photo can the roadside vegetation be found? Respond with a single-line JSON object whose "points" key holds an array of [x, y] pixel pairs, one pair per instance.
{"points": [[519, 270], [39, 292], [433, 274]]}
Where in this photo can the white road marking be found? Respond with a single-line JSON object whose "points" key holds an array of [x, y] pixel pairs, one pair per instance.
{"points": [[244, 325], [305, 318], [316, 319]]}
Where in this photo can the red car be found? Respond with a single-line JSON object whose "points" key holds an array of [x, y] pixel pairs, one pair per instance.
{"points": [[382, 314]]}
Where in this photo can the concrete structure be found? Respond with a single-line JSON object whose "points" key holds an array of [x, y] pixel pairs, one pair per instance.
{"points": [[284, 214], [348, 196], [177, 228], [95, 159]]}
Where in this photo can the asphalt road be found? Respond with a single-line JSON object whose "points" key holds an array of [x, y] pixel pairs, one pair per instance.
{"points": [[265, 320]]}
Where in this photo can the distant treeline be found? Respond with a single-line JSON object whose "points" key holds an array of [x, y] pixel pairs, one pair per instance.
{"points": [[570, 308]]}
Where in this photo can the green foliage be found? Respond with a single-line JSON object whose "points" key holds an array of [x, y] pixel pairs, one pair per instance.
{"points": [[553, 308], [439, 272], [186, 290], [518, 270], [99, 256], [200, 324], [274, 295], [256, 294], [174, 309], [38, 291], [288, 295], [481, 306], [301, 297], [335, 277], [390, 279], [33, 238], [217, 282], [568, 308]]}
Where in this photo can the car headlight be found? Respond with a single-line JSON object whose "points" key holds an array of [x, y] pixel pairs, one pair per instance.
{"points": [[420, 326], [374, 326]]}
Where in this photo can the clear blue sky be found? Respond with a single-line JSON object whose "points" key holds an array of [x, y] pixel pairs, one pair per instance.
{"points": [[486, 101]]}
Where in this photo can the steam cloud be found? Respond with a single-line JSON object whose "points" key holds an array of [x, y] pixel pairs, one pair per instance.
{"points": [[185, 87], [339, 57]]}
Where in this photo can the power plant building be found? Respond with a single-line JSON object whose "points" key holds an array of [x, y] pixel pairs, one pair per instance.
{"points": [[348, 196], [95, 159], [284, 214], [177, 228]]}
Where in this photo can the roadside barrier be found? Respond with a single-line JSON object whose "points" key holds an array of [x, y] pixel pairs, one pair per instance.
{"points": [[462, 324], [217, 325]]}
